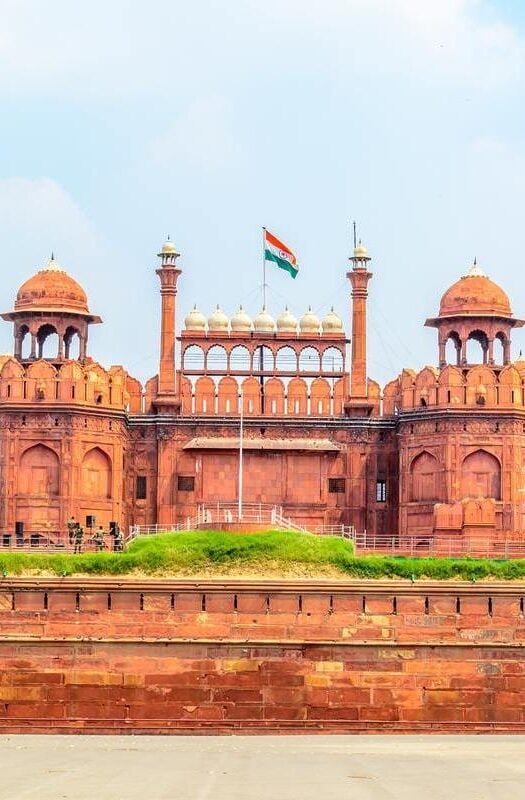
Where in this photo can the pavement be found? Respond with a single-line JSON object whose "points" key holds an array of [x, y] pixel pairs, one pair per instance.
{"points": [[262, 767]]}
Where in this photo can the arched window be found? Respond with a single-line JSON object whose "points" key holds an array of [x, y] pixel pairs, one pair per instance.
{"points": [[263, 359], [477, 347], [39, 472], [286, 360], [240, 359], [499, 348], [309, 360], [216, 359], [24, 346], [72, 343], [95, 479], [193, 358], [48, 343], [424, 475], [332, 360], [453, 349], [481, 476]]}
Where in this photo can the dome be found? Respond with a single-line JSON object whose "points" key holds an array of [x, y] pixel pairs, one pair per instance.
{"points": [[360, 251], [475, 295], [286, 322], [195, 320], [51, 289], [263, 322], [332, 323], [241, 322], [218, 321], [309, 322], [168, 248]]}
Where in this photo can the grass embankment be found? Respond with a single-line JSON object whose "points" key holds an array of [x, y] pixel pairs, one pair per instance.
{"points": [[275, 553]]}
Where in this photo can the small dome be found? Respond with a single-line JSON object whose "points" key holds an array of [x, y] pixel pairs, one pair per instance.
{"points": [[286, 322], [263, 322], [360, 251], [168, 248], [195, 320], [309, 322], [218, 321], [332, 323], [241, 322], [475, 295], [53, 289]]}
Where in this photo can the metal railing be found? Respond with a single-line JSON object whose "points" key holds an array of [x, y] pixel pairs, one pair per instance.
{"points": [[9, 543], [419, 545]]}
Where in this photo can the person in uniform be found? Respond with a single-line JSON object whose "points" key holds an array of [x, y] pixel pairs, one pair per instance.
{"points": [[71, 525], [118, 540], [98, 538], [78, 538]]}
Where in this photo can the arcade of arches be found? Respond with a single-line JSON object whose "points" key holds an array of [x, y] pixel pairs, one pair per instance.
{"points": [[437, 452]]}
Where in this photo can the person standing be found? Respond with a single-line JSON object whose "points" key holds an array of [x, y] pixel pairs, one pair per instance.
{"points": [[118, 540], [71, 525], [78, 539], [98, 538]]}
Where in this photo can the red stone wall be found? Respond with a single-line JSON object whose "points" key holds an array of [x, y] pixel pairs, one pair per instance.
{"points": [[174, 656]]}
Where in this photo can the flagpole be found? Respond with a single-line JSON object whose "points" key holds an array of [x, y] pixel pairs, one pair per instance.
{"points": [[264, 265], [241, 434]]}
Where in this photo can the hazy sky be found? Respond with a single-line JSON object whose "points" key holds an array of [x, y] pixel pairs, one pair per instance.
{"points": [[122, 122]]}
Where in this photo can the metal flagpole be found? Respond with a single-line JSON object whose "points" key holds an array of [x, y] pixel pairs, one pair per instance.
{"points": [[241, 433], [264, 265]]}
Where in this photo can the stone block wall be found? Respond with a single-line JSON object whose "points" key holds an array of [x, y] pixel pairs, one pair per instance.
{"points": [[164, 656]]}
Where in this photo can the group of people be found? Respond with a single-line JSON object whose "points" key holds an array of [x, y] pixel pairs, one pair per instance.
{"points": [[76, 537]]}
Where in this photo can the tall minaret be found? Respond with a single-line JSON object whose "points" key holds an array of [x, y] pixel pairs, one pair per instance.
{"points": [[168, 273], [359, 277]]}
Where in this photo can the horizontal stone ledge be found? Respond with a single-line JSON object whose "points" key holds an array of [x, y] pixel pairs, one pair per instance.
{"points": [[270, 586], [383, 644]]}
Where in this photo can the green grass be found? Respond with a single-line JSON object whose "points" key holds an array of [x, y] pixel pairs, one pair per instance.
{"points": [[213, 551]]}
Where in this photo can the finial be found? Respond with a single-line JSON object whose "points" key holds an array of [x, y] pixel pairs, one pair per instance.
{"points": [[52, 255], [475, 260]]}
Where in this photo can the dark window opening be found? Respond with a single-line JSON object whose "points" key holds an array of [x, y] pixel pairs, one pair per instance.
{"points": [[186, 483], [381, 491], [336, 485], [141, 491]]}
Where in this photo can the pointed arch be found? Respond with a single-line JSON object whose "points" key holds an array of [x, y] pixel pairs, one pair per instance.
{"points": [[274, 397], [297, 398], [481, 475], [205, 396], [228, 396], [424, 478], [186, 396], [39, 472], [251, 392], [320, 397], [96, 474]]}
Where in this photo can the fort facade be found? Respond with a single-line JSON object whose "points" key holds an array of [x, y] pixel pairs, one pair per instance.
{"points": [[439, 452]]}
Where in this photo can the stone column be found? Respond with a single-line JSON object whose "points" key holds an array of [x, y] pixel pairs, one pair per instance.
{"points": [[168, 274]]}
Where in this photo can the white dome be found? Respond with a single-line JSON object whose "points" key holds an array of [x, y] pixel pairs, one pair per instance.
{"points": [[309, 322], [195, 320], [286, 322], [360, 250], [241, 322], [263, 322], [332, 323], [168, 248], [218, 321]]}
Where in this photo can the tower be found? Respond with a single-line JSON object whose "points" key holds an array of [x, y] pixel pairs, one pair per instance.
{"points": [[359, 276], [168, 273]]}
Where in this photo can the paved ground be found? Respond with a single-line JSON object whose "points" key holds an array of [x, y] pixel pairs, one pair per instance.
{"points": [[262, 768]]}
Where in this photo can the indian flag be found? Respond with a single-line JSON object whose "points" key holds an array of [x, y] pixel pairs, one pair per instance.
{"points": [[279, 253]]}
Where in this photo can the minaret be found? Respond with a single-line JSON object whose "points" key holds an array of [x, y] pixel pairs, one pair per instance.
{"points": [[168, 273], [359, 277]]}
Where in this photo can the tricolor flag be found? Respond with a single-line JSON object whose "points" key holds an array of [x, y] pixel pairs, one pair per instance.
{"points": [[279, 253]]}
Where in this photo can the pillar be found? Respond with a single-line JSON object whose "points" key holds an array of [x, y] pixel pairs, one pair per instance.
{"points": [[359, 277], [442, 354], [168, 273]]}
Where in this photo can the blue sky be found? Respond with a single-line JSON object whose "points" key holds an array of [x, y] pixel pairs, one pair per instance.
{"points": [[123, 122]]}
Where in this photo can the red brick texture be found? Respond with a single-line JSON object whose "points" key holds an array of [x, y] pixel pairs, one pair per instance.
{"points": [[215, 658]]}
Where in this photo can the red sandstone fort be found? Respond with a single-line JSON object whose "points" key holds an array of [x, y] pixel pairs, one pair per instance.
{"points": [[436, 452]]}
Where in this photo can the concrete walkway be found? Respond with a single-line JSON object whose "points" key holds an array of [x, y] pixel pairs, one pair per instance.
{"points": [[262, 768]]}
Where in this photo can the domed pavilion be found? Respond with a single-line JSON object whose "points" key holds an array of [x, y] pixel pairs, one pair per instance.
{"points": [[475, 308]]}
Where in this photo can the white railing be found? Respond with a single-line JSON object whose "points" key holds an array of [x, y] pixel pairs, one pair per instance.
{"points": [[419, 545]]}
